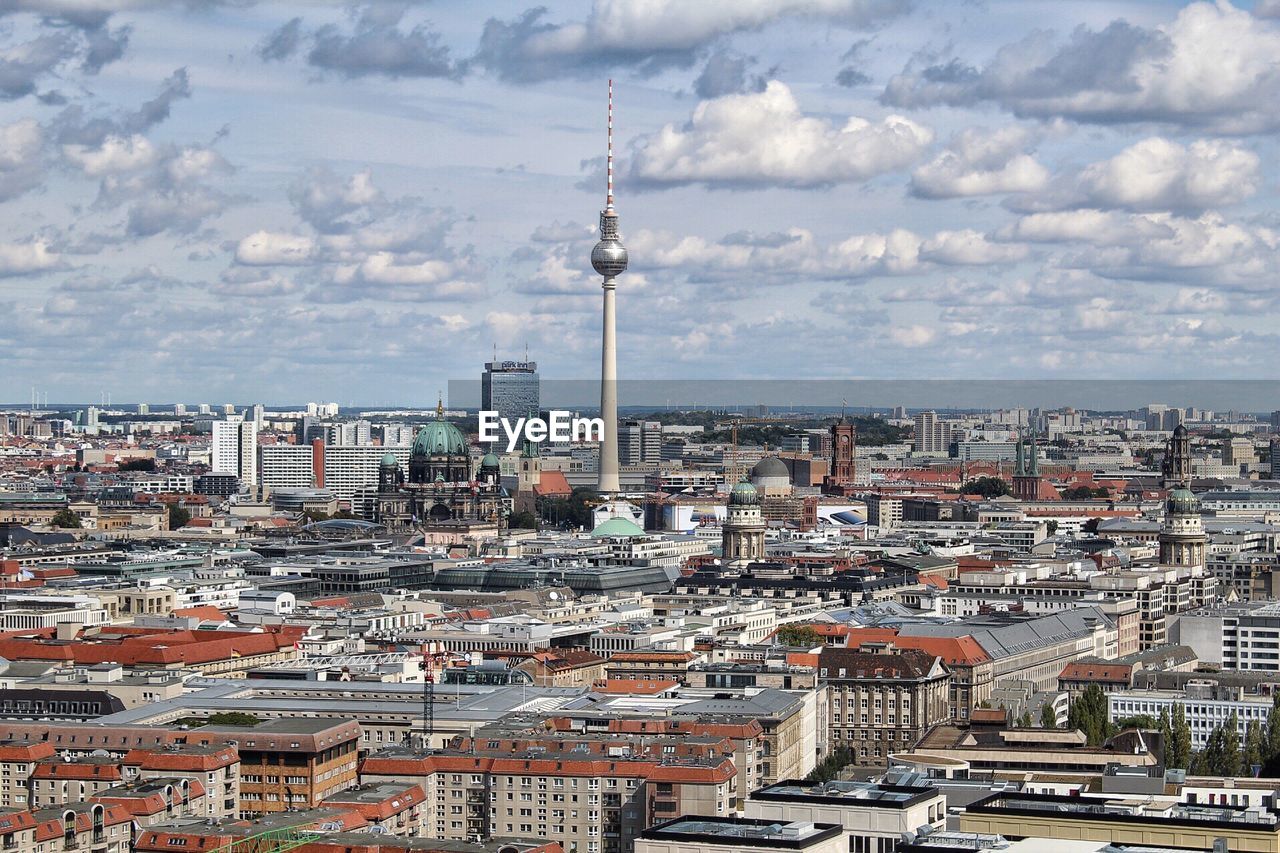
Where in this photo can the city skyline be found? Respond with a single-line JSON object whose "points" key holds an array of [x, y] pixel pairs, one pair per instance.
{"points": [[309, 199]]}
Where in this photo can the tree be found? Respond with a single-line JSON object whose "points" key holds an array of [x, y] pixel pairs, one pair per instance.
{"points": [[1051, 526], [1273, 729], [1177, 754], [831, 766], [1221, 753], [798, 635], [1090, 525], [1084, 493], [523, 520], [65, 518], [344, 514], [1254, 747], [573, 511], [178, 516], [1166, 734], [1024, 721], [1088, 713], [1231, 746], [1138, 721], [221, 718], [1048, 717], [314, 515], [987, 487]]}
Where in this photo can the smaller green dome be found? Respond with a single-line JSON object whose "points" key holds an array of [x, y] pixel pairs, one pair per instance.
{"points": [[389, 460], [744, 494], [616, 527], [489, 461]]}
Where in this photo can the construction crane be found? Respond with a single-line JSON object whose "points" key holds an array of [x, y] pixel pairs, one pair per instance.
{"points": [[429, 695], [271, 841]]}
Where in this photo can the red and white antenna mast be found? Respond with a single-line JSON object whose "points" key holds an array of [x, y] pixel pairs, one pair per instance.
{"points": [[609, 167]]}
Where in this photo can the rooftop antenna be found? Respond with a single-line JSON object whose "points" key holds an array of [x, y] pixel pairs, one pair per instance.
{"points": [[608, 202]]}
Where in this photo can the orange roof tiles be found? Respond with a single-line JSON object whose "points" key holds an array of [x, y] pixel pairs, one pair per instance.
{"points": [[206, 612], [1119, 673], [202, 762], [77, 771], [552, 483]]}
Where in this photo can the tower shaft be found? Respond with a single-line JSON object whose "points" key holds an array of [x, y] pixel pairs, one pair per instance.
{"points": [[609, 258], [608, 480]]}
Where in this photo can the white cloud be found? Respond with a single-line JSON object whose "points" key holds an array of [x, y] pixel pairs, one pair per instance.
{"points": [[913, 336], [21, 150], [763, 139], [649, 34], [267, 247], [969, 248], [1161, 246], [1213, 66], [114, 156], [27, 258], [981, 162], [797, 253], [1159, 174]]}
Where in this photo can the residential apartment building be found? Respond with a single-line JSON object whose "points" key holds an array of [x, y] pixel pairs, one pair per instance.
{"points": [[588, 800], [18, 761], [215, 766], [234, 449], [932, 436]]}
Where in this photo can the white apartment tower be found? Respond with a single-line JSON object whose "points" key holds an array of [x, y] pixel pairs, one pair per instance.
{"points": [[235, 449]]}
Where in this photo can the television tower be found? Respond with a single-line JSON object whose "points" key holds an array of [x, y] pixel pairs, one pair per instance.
{"points": [[609, 258]]}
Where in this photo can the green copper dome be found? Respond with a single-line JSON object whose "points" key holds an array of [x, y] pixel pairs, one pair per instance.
{"points": [[489, 461], [389, 460], [1182, 502], [744, 494], [439, 438], [616, 527]]}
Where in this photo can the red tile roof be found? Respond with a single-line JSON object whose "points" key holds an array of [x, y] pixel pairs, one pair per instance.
{"points": [[76, 771], [552, 483], [1115, 673], [206, 612], [182, 761]]}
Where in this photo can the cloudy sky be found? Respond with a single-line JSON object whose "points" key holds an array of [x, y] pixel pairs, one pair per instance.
{"points": [[241, 201]]}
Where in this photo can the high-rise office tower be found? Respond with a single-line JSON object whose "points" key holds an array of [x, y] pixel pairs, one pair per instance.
{"points": [[639, 442], [511, 388]]}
